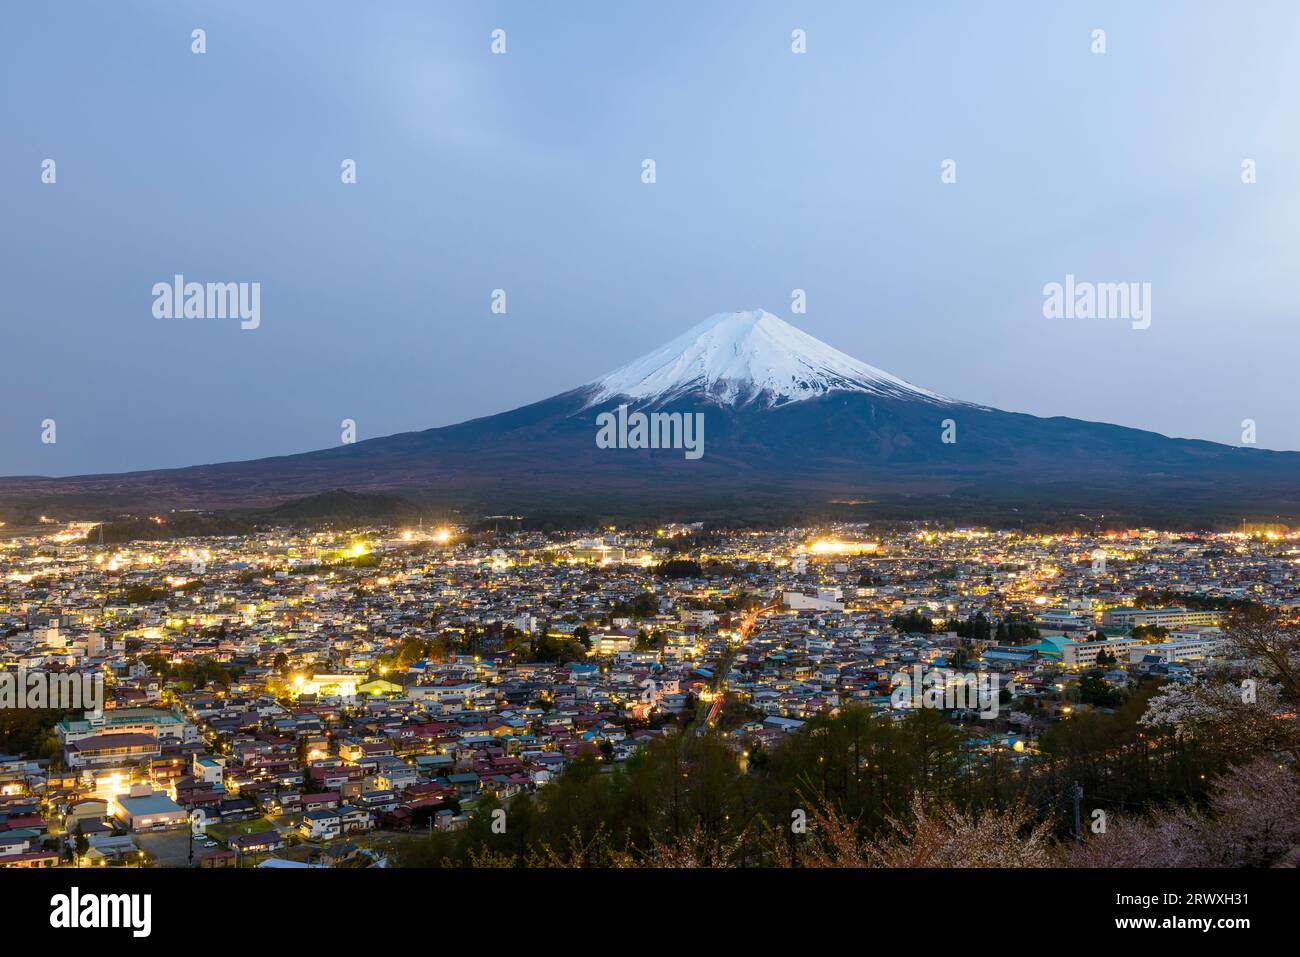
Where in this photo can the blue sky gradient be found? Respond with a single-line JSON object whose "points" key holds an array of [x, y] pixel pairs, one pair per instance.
{"points": [[775, 171]]}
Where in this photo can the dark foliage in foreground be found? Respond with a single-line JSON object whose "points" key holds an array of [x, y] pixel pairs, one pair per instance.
{"points": [[860, 790]]}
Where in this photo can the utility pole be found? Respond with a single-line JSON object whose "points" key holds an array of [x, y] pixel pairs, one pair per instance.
{"points": [[1078, 825]]}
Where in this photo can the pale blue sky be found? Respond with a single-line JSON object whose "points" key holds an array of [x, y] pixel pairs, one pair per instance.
{"points": [[522, 171]]}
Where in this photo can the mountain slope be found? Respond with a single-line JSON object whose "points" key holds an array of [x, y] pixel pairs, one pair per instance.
{"points": [[791, 425]]}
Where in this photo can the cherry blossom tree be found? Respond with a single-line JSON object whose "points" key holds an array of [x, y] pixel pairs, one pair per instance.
{"points": [[1249, 705], [1253, 820]]}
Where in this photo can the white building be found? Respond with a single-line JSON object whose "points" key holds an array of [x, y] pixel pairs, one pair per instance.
{"points": [[1183, 646], [1160, 617], [793, 599]]}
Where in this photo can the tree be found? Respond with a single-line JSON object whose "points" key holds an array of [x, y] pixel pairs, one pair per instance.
{"points": [[960, 656], [1094, 690], [1151, 634], [679, 568], [649, 641], [975, 628], [80, 843], [913, 621], [941, 835], [1253, 820], [933, 834], [1249, 705], [1015, 630]]}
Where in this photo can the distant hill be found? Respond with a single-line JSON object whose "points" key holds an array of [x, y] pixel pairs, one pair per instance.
{"points": [[342, 505], [336, 507]]}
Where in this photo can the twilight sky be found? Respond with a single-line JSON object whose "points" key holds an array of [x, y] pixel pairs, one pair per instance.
{"points": [[522, 171]]}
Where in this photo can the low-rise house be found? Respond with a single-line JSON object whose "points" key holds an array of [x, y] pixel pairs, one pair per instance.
{"points": [[259, 842], [320, 825]]}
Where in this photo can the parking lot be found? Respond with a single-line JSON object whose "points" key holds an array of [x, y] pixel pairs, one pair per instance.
{"points": [[170, 848]]}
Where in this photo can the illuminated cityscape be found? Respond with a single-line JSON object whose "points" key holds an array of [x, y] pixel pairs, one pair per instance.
{"points": [[332, 698]]}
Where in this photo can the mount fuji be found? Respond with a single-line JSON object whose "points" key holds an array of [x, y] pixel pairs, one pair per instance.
{"points": [[792, 429]]}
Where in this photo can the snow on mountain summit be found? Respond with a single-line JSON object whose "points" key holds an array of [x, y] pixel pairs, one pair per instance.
{"points": [[742, 357]]}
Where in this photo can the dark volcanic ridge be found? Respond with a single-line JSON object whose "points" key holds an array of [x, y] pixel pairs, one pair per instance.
{"points": [[792, 428]]}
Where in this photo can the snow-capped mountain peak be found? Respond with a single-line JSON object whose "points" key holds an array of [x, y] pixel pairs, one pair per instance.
{"points": [[743, 357]]}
